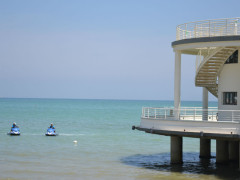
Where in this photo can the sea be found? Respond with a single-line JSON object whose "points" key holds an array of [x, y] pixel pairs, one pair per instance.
{"points": [[95, 141]]}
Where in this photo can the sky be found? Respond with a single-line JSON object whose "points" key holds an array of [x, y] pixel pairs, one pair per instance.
{"points": [[99, 49]]}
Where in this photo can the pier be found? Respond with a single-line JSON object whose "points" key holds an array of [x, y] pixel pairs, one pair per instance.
{"points": [[192, 123], [215, 45]]}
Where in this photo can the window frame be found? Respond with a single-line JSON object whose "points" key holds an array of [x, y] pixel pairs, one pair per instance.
{"points": [[229, 98]]}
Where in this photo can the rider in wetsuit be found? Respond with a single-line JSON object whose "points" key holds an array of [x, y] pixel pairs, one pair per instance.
{"points": [[14, 125], [51, 126]]}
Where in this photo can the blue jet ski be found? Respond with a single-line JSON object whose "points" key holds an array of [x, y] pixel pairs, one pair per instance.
{"points": [[14, 131], [51, 132]]}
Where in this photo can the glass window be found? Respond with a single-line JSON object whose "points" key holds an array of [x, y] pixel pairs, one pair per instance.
{"points": [[230, 98], [233, 58]]}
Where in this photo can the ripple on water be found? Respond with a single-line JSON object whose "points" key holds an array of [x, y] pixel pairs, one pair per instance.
{"points": [[192, 164]]}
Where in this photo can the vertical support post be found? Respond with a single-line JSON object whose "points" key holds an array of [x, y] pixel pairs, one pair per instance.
{"points": [[195, 31], [205, 148], [209, 29], [185, 31], [177, 84], [222, 151], [226, 28], [204, 104], [235, 28], [176, 149], [194, 115], [239, 155], [233, 150]]}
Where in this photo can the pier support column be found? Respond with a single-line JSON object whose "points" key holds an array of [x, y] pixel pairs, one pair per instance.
{"points": [[239, 155], [205, 148], [233, 149], [221, 151], [177, 84], [176, 149], [205, 104]]}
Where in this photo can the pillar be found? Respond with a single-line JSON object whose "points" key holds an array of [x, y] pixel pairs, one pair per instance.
{"points": [[205, 148], [176, 149], [233, 150], [239, 155], [205, 104], [177, 83], [221, 151]]}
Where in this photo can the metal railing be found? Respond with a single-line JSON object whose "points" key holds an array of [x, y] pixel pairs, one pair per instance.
{"points": [[191, 113], [202, 53], [209, 28], [205, 53]]}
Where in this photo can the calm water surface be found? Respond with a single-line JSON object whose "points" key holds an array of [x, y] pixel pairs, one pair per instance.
{"points": [[107, 148]]}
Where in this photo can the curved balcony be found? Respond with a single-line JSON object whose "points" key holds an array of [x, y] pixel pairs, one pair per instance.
{"points": [[209, 28], [192, 114], [191, 122]]}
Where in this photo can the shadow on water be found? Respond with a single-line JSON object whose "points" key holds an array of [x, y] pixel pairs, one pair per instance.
{"points": [[192, 164]]}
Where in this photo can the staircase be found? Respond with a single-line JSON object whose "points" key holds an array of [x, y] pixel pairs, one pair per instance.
{"points": [[209, 69]]}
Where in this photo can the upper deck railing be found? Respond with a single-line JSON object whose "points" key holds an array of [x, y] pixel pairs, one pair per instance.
{"points": [[209, 28], [191, 113]]}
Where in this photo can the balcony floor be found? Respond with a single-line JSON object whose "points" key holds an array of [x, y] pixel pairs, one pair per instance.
{"points": [[188, 128], [234, 137]]}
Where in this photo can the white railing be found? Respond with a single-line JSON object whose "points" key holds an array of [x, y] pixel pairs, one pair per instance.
{"points": [[191, 113], [209, 28]]}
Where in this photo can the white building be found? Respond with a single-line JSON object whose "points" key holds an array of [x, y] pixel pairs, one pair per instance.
{"points": [[215, 44]]}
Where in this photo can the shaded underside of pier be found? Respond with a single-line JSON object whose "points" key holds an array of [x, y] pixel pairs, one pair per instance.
{"points": [[234, 137]]}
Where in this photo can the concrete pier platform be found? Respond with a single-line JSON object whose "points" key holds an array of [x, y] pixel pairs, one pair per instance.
{"points": [[227, 145], [232, 137]]}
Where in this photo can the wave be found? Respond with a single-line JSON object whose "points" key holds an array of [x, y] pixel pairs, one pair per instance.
{"points": [[64, 134], [32, 134]]}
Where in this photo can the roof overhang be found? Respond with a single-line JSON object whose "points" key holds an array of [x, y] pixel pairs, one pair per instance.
{"points": [[192, 46]]}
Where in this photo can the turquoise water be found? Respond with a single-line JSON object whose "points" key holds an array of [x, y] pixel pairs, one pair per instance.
{"points": [[107, 148]]}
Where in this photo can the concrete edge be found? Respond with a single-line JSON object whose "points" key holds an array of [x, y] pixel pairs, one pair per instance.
{"points": [[206, 39], [235, 137]]}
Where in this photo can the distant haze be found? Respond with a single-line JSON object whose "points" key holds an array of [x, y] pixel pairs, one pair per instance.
{"points": [[98, 49]]}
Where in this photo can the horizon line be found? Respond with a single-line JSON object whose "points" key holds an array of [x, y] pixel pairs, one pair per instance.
{"points": [[97, 99]]}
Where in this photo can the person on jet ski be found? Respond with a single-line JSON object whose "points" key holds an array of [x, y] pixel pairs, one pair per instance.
{"points": [[51, 126], [14, 125]]}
